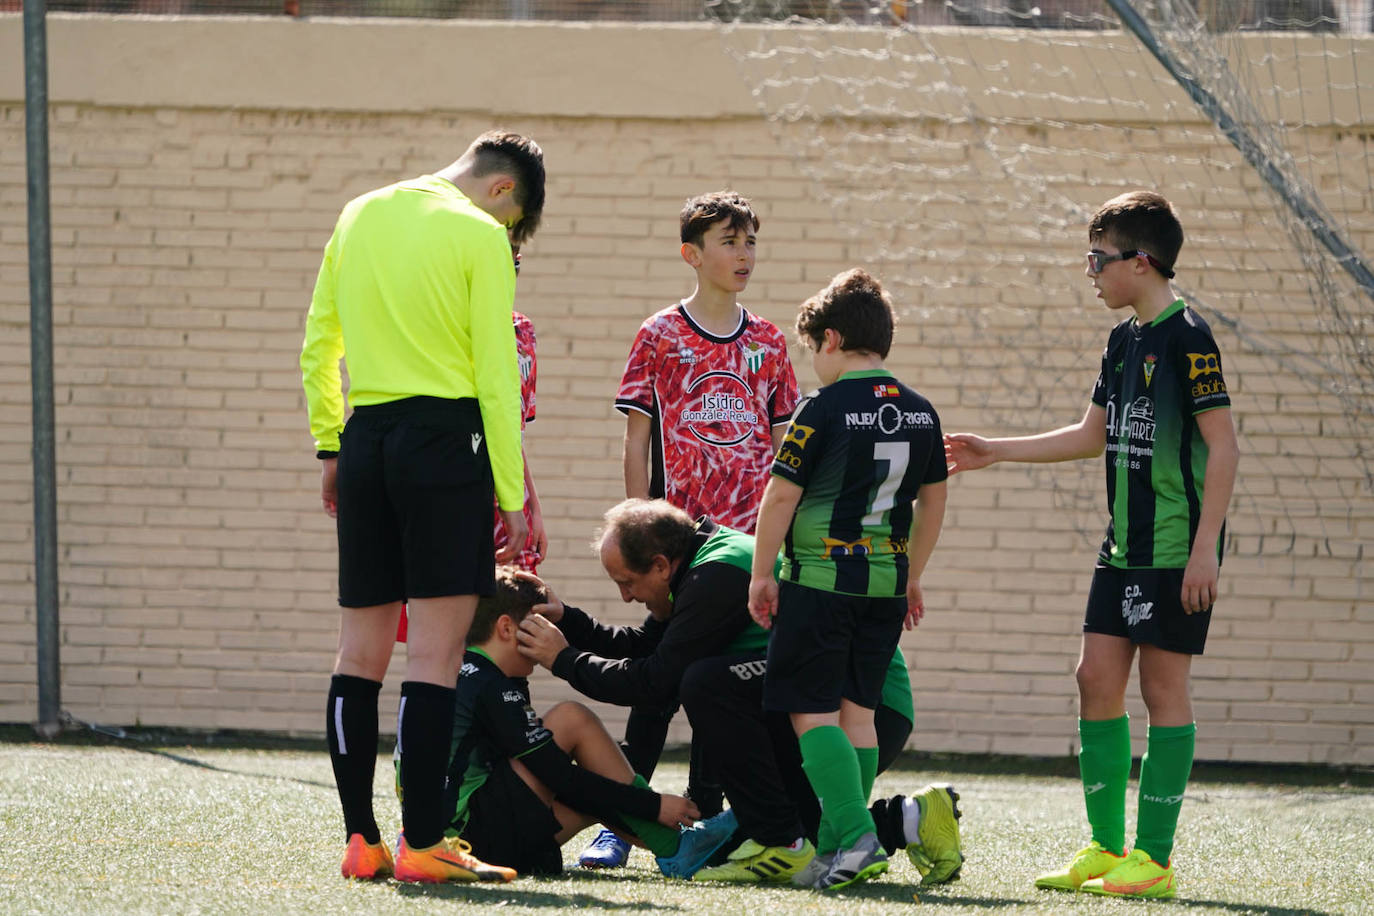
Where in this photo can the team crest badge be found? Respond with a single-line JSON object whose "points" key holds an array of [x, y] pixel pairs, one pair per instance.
{"points": [[753, 356], [1149, 367]]}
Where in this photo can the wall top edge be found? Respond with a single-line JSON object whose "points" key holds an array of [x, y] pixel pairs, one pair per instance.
{"points": [[567, 69]]}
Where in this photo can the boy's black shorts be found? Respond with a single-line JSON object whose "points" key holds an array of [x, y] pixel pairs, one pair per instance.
{"points": [[415, 503], [826, 647], [509, 825], [1145, 606]]}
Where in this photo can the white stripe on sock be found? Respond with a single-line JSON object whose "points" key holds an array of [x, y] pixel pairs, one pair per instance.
{"points": [[911, 819], [400, 716], [338, 726]]}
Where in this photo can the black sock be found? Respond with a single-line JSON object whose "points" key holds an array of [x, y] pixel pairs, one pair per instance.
{"points": [[702, 787], [424, 731], [351, 728], [887, 817]]}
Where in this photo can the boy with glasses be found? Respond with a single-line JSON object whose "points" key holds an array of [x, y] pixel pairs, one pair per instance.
{"points": [[1161, 411]]}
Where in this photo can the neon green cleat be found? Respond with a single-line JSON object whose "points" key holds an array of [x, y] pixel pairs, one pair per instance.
{"points": [[755, 864], [937, 855], [1137, 875], [1092, 861]]}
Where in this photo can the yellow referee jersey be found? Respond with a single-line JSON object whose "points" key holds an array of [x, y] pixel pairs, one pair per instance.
{"points": [[415, 293]]}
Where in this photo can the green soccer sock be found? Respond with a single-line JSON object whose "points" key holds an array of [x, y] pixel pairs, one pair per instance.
{"points": [[662, 841], [832, 768], [826, 842], [1104, 763], [1164, 775], [868, 769]]}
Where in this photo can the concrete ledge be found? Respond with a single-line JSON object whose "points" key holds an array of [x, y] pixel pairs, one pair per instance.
{"points": [[627, 70]]}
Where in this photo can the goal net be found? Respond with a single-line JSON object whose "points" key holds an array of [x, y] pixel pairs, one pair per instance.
{"points": [[963, 146]]}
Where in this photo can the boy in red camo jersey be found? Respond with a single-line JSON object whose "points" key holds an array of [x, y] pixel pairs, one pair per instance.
{"points": [[708, 389], [707, 392]]}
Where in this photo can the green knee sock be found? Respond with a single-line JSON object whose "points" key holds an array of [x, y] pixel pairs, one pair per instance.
{"points": [[1104, 763], [868, 769], [662, 841], [826, 841], [832, 768], [1163, 779]]}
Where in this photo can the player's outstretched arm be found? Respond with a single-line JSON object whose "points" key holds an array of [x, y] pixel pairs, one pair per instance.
{"points": [[779, 502], [1223, 456], [1084, 439]]}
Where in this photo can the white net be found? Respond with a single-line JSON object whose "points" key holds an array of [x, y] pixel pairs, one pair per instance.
{"points": [[964, 164]]}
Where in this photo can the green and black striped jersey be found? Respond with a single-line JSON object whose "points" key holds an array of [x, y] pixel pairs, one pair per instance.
{"points": [[1155, 380], [860, 449]]}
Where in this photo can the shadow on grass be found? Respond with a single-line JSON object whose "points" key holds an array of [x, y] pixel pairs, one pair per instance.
{"points": [[1305, 775], [1257, 908], [530, 896], [202, 765], [907, 894]]}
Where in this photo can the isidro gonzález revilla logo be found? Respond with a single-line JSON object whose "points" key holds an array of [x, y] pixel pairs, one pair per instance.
{"points": [[724, 415]]}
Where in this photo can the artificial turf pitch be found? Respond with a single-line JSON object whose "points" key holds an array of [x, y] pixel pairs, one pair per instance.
{"points": [[148, 826]]}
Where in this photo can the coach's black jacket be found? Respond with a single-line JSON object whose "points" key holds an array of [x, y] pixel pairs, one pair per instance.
{"points": [[633, 666]]}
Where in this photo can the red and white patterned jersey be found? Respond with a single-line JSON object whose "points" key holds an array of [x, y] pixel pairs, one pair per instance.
{"points": [[713, 402], [528, 559]]}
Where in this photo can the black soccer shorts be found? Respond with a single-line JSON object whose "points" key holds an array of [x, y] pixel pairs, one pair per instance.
{"points": [[826, 647], [1145, 606]]}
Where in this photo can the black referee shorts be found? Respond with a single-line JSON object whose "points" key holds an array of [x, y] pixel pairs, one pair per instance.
{"points": [[415, 497]]}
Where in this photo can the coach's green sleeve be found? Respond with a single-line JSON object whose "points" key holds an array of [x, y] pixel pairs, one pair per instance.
{"points": [[320, 355]]}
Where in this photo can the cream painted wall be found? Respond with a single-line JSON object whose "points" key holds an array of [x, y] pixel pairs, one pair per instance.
{"points": [[197, 167]]}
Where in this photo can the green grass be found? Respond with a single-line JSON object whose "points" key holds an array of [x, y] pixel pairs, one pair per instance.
{"points": [[92, 826]]}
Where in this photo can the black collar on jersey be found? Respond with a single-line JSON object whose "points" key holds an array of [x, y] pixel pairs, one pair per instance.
{"points": [[734, 335]]}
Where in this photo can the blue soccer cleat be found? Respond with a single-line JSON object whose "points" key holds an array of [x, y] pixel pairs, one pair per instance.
{"points": [[606, 851], [696, 845]]}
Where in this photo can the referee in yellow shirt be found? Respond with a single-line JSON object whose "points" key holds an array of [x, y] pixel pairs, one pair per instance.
{"points": [[415, 294]]}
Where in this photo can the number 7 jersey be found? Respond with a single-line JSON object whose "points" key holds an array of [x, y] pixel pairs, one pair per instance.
{"points": [[860, 449]]}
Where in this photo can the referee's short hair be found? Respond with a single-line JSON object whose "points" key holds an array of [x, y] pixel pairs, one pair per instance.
{"points": [[516, 593], [521, 157], [646, 528]]}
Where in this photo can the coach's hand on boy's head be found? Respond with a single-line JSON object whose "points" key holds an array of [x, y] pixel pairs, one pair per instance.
{"points": [[552, 609], [540, 640], [675, 811]]}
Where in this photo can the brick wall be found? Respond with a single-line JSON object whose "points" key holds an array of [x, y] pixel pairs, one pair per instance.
{"points": [[197, 167]]}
